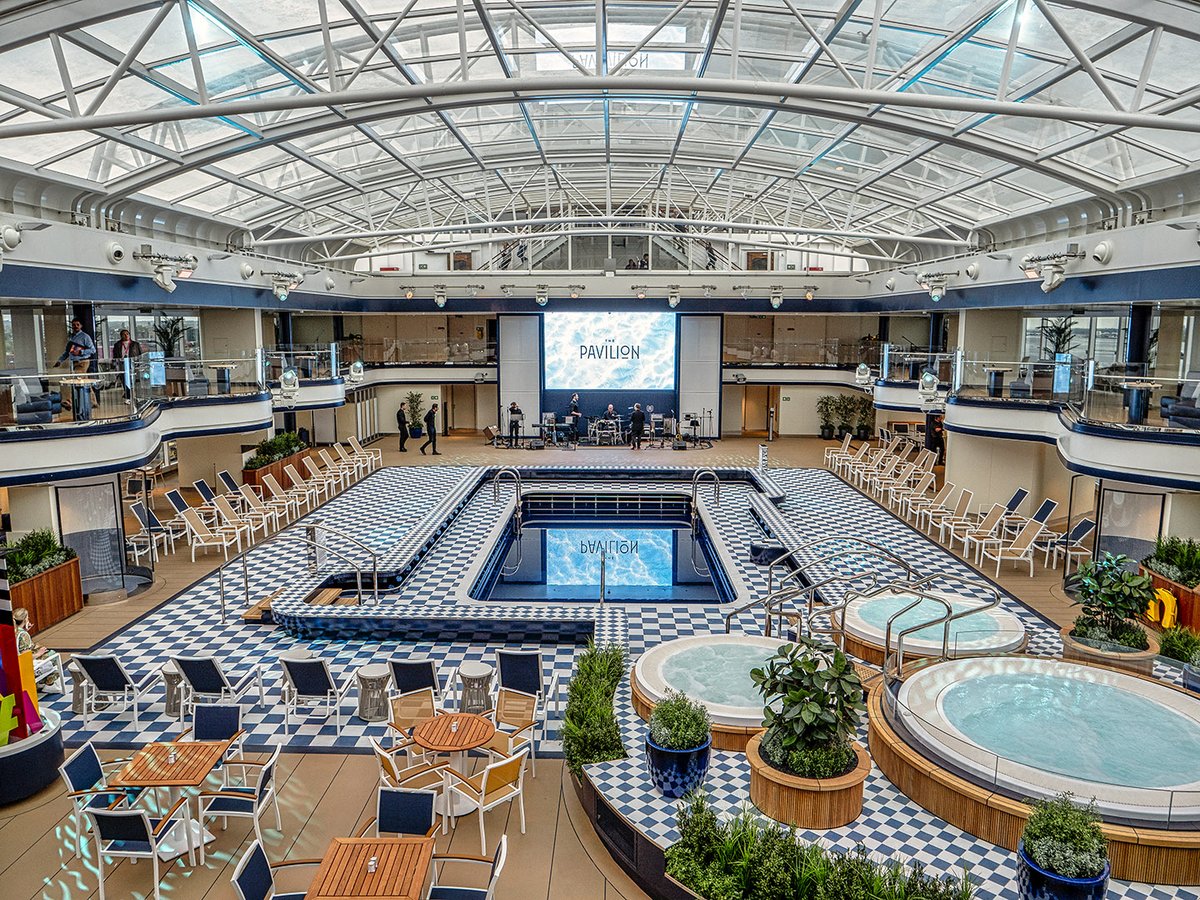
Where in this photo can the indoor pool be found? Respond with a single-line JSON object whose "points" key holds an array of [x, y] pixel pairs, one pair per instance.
{"points": [[992, 630], [1039, 726], [713, 669]]}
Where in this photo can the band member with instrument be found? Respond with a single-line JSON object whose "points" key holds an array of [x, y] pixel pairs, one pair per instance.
{"points": [[611, 414], [514, 424], [573, 413], [637, 426]]}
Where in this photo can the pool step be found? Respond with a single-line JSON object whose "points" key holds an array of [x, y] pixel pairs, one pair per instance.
{"points": [[260, 612], [329, 597]]}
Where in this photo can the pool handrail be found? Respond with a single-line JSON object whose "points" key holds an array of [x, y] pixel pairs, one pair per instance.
{"points": [[697, 476], [515, 474]]}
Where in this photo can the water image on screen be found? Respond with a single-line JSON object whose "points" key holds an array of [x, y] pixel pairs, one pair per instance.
{"points": [[640, 557], [609, 351]]}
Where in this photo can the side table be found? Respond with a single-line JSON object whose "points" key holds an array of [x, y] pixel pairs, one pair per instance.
{"points": [[372, 692], [476, 680], [173, 682]]}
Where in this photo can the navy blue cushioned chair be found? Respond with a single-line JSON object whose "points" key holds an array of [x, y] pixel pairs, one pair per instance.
{"points": [[231, 485], [132, 834], [204, 680], [403, 811], [247, 801], [1015, 500], [218, 722], [308, 682], [254, 877], [205, 492], [87, 786], [521, 670], [105, 681], [410, 675], [450, 892]]}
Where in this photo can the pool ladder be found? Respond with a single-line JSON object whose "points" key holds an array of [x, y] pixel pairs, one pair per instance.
{"points": [[515, 475], [701, 568]]}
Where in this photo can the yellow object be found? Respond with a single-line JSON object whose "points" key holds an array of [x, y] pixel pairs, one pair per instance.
{"points": [[1170, 613], [28, 682], [1152, 609]]}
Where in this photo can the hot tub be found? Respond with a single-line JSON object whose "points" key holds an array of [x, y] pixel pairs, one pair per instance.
{"points": [[994, 630], [713, 669], [1037, 727]]}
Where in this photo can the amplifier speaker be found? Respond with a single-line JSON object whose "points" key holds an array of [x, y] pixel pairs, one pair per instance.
{"points": [[491, 432], [537, 445], [679, 445]]}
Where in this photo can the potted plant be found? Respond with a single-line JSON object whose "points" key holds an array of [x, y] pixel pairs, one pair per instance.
{"points": [[1107, 631], [825, 412], [169, 332], [1174, 566], [866, 416], [805, 769], [1182, 645], [271, 457], [43, 577], [1062, 854], [416, 413], [845, 410], [590, 731], [677, 745], [1058, 335]]}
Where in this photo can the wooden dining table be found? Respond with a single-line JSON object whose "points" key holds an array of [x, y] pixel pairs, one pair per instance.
{"points": [[455, 733], [401, 869], [151, 767]]}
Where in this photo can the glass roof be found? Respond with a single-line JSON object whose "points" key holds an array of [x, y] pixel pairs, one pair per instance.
{"points": [[361, 118]]}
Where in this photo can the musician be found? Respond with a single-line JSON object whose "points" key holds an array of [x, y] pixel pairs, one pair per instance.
{"points": [[637, 426], [611, 414], [514, 424], [573, 411]]}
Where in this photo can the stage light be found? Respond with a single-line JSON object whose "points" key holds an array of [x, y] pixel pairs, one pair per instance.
{"points": [[166, 267], [862, 375], [576, 290], [708, 290], [541, 295], [937, 283], [777, 296], [356, 374], [439, 295], [163, 277], [409, 293], [673, 295], [289, 388], [1051, 267], [639, 291], [283, 283], [506, 289], [743, 289]]}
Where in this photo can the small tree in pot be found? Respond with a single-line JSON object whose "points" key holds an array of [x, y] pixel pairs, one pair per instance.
{"points": [[845, 409], [866, 416], [1112, 598], [416, 413], [1062, 854], [678, 744], [825, 412]]}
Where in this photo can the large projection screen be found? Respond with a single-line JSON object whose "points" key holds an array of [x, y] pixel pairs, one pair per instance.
{"points": [[604, 351]]}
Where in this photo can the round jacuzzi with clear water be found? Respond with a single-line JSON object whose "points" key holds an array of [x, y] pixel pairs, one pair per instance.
{"points": [[1038, 727], [713, 669], [994, 630]]}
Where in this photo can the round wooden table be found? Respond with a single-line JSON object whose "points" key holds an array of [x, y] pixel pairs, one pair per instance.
{"points": [[453, 733]]}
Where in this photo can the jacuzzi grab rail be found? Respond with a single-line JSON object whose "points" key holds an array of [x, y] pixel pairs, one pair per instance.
{"points": [[899, 655]]}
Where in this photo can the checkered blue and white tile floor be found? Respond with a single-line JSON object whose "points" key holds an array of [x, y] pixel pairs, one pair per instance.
{"points": [[393, 503]]}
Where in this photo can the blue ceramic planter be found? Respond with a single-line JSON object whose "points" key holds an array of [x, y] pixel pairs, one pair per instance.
{"points": [[1035, 883], [677, 772]]}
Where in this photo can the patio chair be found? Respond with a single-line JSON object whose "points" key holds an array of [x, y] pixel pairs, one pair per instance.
{"points": [[218, 722], [293, 499], [147, 539], [346, 472], [311, 491], [105, 681], [935, 517], [977, 533], [899, 495], [132, 834], [1070, 545], [413, 674], [403, 812], [275, 510], [254, 877], [361, 466], [843, 450], [204, 537], [842, 464], [501, 782], [914, 505], [410, 709], [322, 479], [521, 670], [231, 483], [309, 683], [247, 801], [205, 681], [231, 518], [180, 505], [374, 454], [87, 788], [416, 773], [1020, 549], [516, 719], [449, 892]]}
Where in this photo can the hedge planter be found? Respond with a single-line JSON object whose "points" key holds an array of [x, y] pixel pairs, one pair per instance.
{"points": [[816, 803], [1189, 598], [50, 596], [1140, 662], [1035, 883], [258, 476], [677, 772]]}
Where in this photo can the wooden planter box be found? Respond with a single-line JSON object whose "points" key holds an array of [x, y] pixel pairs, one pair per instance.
{"points": [[256, 476], [814, 803], [1189, 598], [50, 596], [1138, 661]]}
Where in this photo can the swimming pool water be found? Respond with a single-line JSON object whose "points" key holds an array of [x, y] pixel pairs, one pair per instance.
{"points": [[718, 674], [876, 612], [1066, 725]]}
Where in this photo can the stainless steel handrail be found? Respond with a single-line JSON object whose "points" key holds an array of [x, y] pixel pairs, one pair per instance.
{"points": [[697, 476], [309, 542], [512, 472], [358, 543], [887, 637]]}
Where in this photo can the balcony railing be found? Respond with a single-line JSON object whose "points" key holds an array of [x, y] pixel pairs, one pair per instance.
{"points": [[390, 352]]}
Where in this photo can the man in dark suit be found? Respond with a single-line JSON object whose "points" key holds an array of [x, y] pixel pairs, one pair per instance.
{"points": [[637, 426], [402, 426], [514, 424], [431, 430]]}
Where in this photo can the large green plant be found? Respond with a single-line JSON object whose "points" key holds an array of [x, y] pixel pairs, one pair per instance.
{"points": [[273, 449], [1066, 839], [679, 723], [814, 701], [35, 553], [416, 409], [866, 410], [590, 730], [747, 858], [845, 410], [825, 409], [1176, 559], [1112, 597], [1058, 335], [168, 332], [1179, 643]]}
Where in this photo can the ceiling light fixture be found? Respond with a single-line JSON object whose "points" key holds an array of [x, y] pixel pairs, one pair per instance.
{"points": [[409, 293], [283, 283], [1050, 267], [507, 289], [575, 290], [810, 291], [935, 283], [672, 295], [541, 295], [708, 289], [890, 284], [474, 289], [439, 295], [777, 296], [743, 289], [166, 267], [639, 291]]}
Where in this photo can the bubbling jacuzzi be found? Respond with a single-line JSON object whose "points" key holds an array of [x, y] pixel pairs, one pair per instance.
{"points": [[1037, 727], [713, 669]]}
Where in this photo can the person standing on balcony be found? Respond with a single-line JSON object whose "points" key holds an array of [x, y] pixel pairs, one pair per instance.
{"points": [[126, 348], [80, 349], [402, 426], [431, 430]]}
